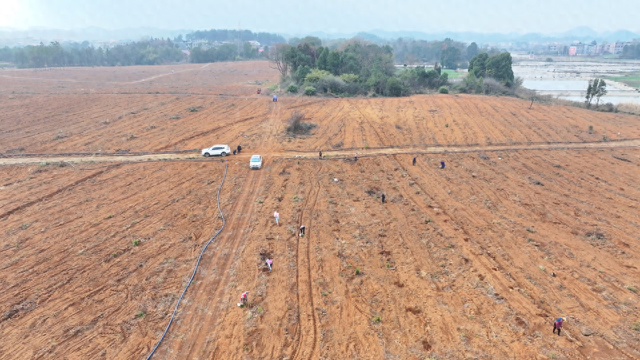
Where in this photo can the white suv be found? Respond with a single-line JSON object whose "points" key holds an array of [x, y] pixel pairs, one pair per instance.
{"points": [[222, 150], [255, 162]]}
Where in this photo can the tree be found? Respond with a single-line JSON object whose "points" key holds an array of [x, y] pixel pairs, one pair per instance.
{"points": [[277, 58], [478, 65], [301, 73], [394, 88], [499, 67], [450, 57], [472, 50], [595, 88], [323, 56]]}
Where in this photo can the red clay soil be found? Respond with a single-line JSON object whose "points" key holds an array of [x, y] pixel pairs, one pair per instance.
{"points": [[471, 261]]}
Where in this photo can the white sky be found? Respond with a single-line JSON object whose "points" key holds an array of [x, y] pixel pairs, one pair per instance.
{"points": [[299, 16]]}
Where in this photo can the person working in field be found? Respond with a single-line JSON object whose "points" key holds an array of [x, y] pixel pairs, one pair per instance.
{"points": [[557, 325], [244, 298]]}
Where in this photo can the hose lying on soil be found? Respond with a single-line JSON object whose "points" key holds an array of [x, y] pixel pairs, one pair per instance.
{"points": [[226, 165]]}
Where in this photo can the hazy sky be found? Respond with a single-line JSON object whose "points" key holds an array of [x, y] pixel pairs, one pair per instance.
{"points": [[299, 16]]}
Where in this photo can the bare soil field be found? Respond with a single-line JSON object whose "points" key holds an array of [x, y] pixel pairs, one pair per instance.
{"points": [[536, 217]]}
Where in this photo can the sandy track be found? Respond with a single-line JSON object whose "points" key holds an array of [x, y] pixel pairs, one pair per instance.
{"points": [[85, 160]]}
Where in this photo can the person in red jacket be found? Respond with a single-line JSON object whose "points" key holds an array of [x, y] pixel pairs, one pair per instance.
{"points": [[558, 325]]}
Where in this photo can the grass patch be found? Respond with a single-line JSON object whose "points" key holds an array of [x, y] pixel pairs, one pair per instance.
{"points": [[632, 289], [632, 79], [453, 74]]}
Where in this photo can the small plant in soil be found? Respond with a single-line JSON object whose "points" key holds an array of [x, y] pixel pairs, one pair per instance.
{"points": [[136, 242], [357, 271], [530, 230], [377, 320], [296, 126], [140, 314]]}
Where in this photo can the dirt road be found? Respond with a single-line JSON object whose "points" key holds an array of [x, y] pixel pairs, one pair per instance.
{"points": [[327, 154]]}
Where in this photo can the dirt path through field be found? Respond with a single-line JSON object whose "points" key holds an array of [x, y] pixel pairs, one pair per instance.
{"points": [[326, 154]]}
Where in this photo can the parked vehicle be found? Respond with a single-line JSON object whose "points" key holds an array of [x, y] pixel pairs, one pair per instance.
{"points": [[215, 150], [255, 162]]}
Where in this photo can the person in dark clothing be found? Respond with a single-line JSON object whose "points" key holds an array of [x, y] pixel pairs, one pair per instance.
{"points": [[414, 161], [441, 164], [320, 155], [383, 197], [234, 151], [557, 325], [239, 149], [302, 228]]}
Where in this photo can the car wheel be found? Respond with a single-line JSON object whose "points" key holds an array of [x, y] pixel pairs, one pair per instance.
{"points": [[223, 154], [207, 154]]}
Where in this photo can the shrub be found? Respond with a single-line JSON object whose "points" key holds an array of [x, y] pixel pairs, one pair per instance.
{"points": [[377, 319], [330, 84], [549, 60], [296, 126], [140, 314], [357, 271], [309, 91], [315, 75], [136, 242], [394, 87], [443, 90], [293, 88], [193, 109], [349, 78]]}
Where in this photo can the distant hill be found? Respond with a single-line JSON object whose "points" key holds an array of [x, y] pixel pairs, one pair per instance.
{"points": [[90, 34], [583, 33]]}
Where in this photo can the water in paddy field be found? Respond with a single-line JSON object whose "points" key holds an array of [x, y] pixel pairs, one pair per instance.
{"points": [[569, 80]]}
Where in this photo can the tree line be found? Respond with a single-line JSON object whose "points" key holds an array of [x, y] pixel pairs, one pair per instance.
{"points": [[234, 35], [225, 52], [355, 67], [147, 52], [631, 51], [358, 67]]}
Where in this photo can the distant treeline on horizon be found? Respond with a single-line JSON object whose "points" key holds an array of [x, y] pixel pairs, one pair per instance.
{"points": [[229, 45]]}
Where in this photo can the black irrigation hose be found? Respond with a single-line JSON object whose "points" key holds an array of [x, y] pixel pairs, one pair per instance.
{"points": [[226, 165]]}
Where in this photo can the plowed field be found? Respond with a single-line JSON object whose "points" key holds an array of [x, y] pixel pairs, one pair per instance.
{"points": [[535, 216]]}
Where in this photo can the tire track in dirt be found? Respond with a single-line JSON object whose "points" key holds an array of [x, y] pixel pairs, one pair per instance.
{"points": [[202, 328], [193, 327], [303, 333]]}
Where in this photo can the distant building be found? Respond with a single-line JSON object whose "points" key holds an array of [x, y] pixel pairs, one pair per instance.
{"points": [[254, 43], [617, 47]]}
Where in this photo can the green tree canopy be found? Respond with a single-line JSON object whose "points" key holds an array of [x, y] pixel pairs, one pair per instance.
{"points": [[450, 57], [472, 50]]}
